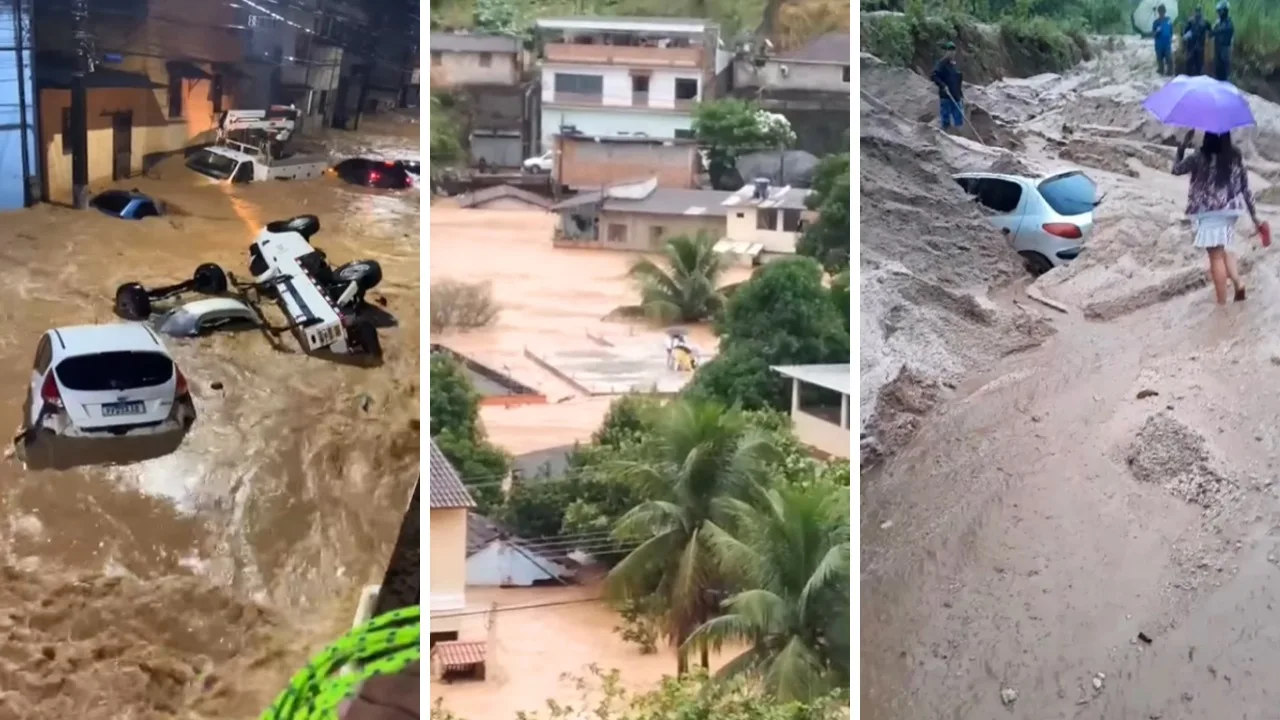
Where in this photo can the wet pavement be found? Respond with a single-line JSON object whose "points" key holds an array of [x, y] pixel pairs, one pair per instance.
{"points": [[290, 487]]}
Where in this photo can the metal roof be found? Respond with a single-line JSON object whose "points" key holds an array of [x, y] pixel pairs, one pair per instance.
{"points": [[447, 489], [673, 201], [467, 43], [830, 48], [626, 24], [832, 377]]}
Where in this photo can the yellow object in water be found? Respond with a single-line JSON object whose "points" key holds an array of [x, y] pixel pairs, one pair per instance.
{"points": [[684, 360]]}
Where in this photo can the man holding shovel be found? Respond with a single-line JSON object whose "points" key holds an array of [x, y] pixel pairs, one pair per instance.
{"points": [[947, 76]]}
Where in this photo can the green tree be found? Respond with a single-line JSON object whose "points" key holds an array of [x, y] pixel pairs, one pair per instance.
{"points": [[791, 555], [455, 427], [446, 136], [706, 456], [827, 239], [729, 128], [840, 296], [683, 287], [784, 315]]}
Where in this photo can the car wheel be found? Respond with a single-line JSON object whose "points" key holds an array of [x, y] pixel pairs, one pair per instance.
{"points": [[365, 335], [209, 279], [1036, 263], [304, 225], [132, 302], [366, 274]]}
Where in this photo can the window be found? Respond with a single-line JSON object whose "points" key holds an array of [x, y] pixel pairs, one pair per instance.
{"points": [[741, 215], [66, 131], [844, 75], [617, 233], [115, 370], [215, 93], [682, 134], [1070, 194], [1001, 196], [44, 355], [324, 100], [302, 46], [439, 637], [435, 58], [175, 97], [639, 83], [244, 173], [656, 235], [592, 85], [791, 220], [486, 59], [766, 219], [686, 88]]}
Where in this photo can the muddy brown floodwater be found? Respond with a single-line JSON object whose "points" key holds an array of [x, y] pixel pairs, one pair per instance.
{"points": [[200, 580]]}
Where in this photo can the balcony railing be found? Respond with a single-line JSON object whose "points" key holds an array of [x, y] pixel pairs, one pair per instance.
{"points": [[623, 55], [638, 100], [568, 98]]}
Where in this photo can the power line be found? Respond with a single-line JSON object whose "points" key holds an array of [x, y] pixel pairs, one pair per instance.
{"points": [[515, 608]]}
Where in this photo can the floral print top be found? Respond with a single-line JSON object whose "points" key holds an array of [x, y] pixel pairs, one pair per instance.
{"points": [[1205, 194]]}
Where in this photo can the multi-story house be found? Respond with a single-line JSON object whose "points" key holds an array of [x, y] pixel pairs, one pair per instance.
{"points": [[450, 502], [809, 85], [626, 77], [461, 59]]}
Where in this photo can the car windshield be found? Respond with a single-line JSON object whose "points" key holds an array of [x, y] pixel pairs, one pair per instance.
{"points": [[119, 370], [212, 164], [1070, 194], [113, 203]]}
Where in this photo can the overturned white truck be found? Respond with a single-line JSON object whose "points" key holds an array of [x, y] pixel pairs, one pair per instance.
{"points": [[324, 306]]}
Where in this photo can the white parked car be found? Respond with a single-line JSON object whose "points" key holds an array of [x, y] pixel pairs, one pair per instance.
{"points": [[97, 381], [540, 164], [1047, 220]]}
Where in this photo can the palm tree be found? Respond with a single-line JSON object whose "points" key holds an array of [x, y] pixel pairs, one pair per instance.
{"points": [[792, 555], [683, 287], [707, 459]]}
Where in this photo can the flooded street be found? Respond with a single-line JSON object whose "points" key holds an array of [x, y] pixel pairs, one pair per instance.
{"points": [[551, 299], [1089, 525], [288, 491]]}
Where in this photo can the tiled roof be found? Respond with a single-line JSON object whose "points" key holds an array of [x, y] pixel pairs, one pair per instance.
{"points": [[459, 654], [447, 489]]}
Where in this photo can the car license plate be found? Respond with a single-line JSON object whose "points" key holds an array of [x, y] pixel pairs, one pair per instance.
{"points": [[124, 408]]}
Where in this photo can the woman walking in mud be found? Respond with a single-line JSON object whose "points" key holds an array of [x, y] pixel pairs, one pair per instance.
{"points": [[1218, 194]]}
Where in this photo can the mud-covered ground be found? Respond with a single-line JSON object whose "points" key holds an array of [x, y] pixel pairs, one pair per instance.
{"points": [[1088, 528], [195, 583]]}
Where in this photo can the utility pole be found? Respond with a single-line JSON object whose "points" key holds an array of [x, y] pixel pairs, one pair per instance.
{"points": [[80, 106], [19, 42]]}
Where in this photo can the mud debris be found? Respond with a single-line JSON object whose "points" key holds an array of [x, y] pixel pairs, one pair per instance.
{"points": [[1168, 453]]}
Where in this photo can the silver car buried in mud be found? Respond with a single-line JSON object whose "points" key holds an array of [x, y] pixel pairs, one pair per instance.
{"points": [[1046, 220]]}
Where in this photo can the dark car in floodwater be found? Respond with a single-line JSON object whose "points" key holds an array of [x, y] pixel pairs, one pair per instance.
{"points": [[126, 204], [380, 174]]}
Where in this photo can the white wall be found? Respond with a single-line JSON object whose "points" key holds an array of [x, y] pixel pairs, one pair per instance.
{"points": [[617, 84], [500, 565], [744, 229], [607, 122], [822, 77]]}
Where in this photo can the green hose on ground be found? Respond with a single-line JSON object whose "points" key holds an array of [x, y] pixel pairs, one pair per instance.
{"points": [[383, 646]]}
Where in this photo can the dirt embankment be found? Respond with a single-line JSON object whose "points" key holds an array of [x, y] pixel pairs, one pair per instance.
{"points": [[927, 262], [989, 52]]}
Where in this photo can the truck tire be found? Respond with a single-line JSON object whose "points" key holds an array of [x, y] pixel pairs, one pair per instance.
{"points": [[364, 334], [304, 225], [132, 302], [257, 263], [366, 274], [209, 279]]}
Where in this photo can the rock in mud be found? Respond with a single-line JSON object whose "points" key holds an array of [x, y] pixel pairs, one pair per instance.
{"points": [[1168, 453], [1008, 696]]}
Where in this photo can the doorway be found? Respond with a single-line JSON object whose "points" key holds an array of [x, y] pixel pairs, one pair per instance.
{"points": [[121, 144]]}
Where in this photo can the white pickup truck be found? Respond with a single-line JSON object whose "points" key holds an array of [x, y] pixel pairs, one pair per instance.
{"points": [[257, 151]]}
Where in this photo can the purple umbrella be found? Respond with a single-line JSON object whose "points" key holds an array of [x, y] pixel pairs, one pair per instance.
{"points": [[1201, 103]]}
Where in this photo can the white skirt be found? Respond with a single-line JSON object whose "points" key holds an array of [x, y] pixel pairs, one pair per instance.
{"points": [[1216, 229]]}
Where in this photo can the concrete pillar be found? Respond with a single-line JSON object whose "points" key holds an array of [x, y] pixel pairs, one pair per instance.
{"points": [[795, 396], [844, 411]]}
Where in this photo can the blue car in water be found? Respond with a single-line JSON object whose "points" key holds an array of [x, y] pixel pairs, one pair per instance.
{"points": [[126, 204]]}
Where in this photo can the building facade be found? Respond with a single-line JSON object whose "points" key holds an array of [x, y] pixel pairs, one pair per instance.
{"points": [[622, 77], [810, 86], [459, 60], [774, 221], [450, 502], [584, 162], [820, 406]]}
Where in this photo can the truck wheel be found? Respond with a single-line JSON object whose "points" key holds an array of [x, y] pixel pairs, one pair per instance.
{"points": [[132, 302], [304, 225], [364, 334], [209, 279], [257, 264], [366, 274]]}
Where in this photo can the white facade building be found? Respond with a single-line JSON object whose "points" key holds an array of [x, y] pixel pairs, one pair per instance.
{"points": [[615, 77]]}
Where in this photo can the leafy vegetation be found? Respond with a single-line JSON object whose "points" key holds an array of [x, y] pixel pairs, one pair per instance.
{"points": [[456, 430], [827, 239], [728, 128], [446, 133], [1255, 50], [683, 287], [784, 315]]}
